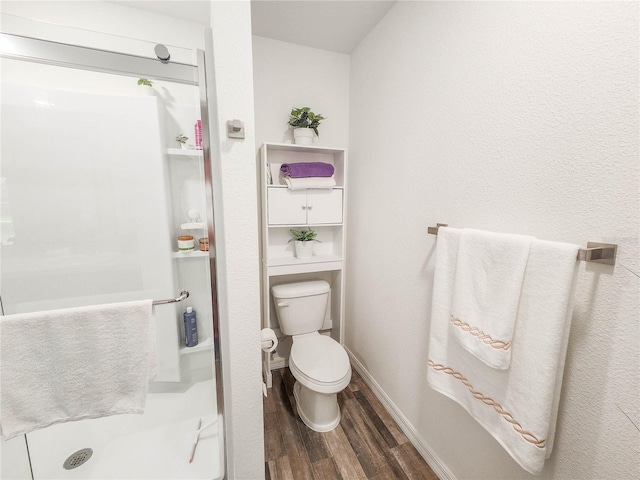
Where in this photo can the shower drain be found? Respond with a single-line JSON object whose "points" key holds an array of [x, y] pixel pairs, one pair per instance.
{"points": [[77, 459]]}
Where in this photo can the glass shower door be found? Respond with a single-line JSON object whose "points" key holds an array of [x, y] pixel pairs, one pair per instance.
{"points": [[94, 193]]}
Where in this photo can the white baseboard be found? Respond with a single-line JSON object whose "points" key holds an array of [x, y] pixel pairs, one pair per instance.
{"points": [[438, 467]]}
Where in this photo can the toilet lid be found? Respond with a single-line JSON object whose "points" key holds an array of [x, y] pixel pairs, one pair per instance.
{"points": [[320, 358]]}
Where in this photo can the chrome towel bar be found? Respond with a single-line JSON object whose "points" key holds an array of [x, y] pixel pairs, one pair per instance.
{"points": [[183, 295], [595, 252]]}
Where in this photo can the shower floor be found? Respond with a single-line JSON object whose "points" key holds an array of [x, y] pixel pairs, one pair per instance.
{"points": [[156, 445]]}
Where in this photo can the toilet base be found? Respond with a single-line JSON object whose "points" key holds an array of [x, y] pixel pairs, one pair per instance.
{"points": [[318, 411]]}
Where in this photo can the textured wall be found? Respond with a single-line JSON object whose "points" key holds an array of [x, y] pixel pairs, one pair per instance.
{"points": [[237, 239], [507, 116]]}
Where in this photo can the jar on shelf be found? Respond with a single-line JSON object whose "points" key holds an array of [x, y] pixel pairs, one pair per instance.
{"points": [[185, 243]]}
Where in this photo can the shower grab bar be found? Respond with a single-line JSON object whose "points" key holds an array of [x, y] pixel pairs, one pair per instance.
{"points": [[595, 252], [183, 295]]}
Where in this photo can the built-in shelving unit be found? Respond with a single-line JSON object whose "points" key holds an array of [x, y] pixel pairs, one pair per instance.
{"points": [[185, 169], [283, 209]]}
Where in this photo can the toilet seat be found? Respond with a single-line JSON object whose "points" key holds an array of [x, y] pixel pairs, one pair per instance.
{"points": [[319, 363]]}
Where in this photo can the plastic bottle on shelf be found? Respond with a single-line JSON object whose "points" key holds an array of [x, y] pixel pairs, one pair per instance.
{"points": [[198, 134], [190, 328]]}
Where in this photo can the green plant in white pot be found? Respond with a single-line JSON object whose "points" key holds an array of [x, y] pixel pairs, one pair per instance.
{"points": [[305, 124], [304, 240], [182, 141], [147, 87]]}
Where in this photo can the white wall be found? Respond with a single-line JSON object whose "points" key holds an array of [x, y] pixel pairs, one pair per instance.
{"points": [[517, 117], [237, 238], [287, 76]]}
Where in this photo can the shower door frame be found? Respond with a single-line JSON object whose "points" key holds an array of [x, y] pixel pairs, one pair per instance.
{"points": [[86, 58]]}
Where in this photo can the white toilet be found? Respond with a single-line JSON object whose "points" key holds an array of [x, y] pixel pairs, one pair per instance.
{"points": [[319, 363]]}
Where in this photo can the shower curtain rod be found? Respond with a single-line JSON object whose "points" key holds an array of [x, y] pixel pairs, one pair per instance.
{"points": [[183, 295], [595, 252]]}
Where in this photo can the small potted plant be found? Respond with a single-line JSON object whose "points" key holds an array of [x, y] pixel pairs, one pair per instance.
{"points": [[305, 124], [182, 140], [303, 242], [144, 83]]}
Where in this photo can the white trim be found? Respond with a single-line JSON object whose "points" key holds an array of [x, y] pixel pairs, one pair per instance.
{"points": [[437, 465]]}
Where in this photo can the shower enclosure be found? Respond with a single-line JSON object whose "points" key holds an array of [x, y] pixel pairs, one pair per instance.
{"points": [[95, 190]]}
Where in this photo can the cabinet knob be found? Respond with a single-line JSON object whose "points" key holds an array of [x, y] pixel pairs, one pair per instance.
{"points": [[304, 207], [309, 207]]}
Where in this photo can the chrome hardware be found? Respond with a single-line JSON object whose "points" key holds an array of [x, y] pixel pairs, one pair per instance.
{"points": [[183, 295], [595, 252], [162, 52], [434, 230], [599, 253]]}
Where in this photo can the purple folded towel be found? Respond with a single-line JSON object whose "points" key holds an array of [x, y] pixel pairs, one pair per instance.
{"points": [[307, 169]]}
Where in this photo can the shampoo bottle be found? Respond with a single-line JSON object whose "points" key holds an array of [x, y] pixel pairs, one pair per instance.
{"points": [[190, 328]]}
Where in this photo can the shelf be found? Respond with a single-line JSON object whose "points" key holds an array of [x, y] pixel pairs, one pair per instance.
{"points": [[274, 185], [303, 148], [179, 152], [193, 226], [191, 254], [206, 344], [303, 225], [292, 265], [279, 261]]}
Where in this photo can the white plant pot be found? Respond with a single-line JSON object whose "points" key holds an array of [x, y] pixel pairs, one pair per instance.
{"points": [[303, 136], [304, 250]]}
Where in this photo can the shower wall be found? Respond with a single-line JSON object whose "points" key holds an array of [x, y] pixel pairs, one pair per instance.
{"points": [[96, 177], [72, 200]]}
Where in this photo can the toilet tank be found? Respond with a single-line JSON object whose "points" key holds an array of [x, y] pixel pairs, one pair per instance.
{"points": [[301, 306]]}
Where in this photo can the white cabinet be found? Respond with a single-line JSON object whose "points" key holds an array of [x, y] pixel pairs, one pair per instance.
{"points": [[303, 207], [323, 210]]}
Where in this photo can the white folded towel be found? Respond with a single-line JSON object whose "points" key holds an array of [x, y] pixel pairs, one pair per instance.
{"points": [[518, 406], [75, 363], [310, 182], [486, 291]]}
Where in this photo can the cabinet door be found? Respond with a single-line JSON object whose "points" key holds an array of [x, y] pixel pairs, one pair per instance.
{"points": [[286, 207], [324, 206]]}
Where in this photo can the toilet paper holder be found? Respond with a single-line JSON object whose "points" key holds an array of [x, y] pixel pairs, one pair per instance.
{"points": [[268, 340]]}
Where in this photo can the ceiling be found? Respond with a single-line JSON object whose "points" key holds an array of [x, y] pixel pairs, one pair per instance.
{"points": [[334, 25], [338, 26]]}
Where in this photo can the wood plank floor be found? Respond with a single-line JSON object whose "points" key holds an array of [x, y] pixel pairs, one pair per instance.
{"points": [[367, 443]]}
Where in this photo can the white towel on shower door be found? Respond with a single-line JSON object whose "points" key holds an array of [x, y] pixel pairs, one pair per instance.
{"points": [[518, 406], [75, 363], [488, 281]]}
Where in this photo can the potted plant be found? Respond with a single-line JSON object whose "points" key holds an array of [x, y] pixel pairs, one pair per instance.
{"points": [[144, 83], [182, 140], [303, 242], [305, 124]]}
